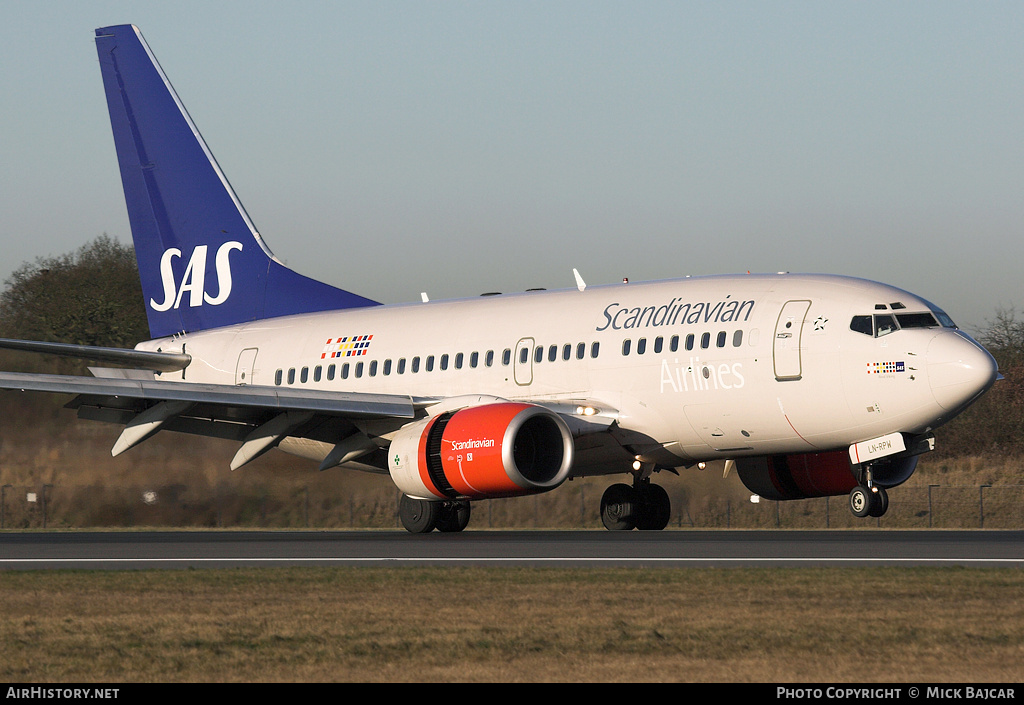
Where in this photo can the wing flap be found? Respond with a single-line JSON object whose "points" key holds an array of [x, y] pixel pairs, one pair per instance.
{"points": [[107, 392]]}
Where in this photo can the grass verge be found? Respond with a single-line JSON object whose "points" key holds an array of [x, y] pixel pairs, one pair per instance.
{"points": [[536, 625]]}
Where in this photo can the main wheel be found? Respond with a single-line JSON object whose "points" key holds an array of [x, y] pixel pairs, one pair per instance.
{"points": [[655, 509], [419, 516], [454, 516], [618, 507]]}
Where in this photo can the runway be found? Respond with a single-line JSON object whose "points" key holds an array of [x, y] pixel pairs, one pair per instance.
{"points": [[119, 550]]}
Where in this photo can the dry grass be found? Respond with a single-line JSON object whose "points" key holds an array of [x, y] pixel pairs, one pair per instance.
{"points": [[537, 625]]}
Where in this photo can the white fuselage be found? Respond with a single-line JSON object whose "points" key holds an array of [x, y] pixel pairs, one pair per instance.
{"points": [[692, 369]]}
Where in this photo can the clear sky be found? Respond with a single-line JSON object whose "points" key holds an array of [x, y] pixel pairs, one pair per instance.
{"points": [[461, 147]]}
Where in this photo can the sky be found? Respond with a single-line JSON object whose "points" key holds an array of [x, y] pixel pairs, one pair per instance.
{"points": [[456, 148]]}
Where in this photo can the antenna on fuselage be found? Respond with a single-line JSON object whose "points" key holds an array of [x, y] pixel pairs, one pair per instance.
{"points": [[580, 284]]}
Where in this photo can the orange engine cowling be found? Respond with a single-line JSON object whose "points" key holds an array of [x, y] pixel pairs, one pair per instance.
{"points": [[494, 450]]}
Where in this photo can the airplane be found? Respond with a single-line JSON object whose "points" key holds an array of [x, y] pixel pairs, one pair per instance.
{"points": [[807, 385]]}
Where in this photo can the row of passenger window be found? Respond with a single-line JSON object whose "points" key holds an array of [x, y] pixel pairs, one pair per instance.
{"points": [[688, 343], [429, 364]]}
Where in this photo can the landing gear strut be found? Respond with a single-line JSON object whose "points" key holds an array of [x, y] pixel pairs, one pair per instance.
{"points": [[421, 516], [643, 506]]}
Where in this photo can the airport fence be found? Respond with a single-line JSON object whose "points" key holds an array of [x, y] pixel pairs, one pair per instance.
{"points": [[574, 506]]}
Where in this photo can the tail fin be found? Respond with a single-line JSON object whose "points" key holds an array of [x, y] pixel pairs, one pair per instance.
{"points": [[201, 260]]}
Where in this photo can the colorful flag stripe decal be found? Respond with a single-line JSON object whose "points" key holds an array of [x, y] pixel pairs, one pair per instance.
{"points": [[346, 346], [885, 368]]}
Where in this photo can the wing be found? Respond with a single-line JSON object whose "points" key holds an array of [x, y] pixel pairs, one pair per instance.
{"points": [[260, 417]]}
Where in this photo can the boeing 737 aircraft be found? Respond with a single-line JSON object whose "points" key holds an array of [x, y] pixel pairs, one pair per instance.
{"points": [[807, 385]]}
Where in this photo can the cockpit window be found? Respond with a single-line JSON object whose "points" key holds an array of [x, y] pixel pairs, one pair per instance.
{"points": [[862, 324], [884, 325], [945, 320], [917, 320]]}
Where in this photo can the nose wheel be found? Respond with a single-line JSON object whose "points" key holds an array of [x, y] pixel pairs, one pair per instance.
{"points": [[868, 501]]}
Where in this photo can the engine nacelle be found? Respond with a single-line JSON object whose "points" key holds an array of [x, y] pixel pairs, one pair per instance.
{"points": [[798, 475], [494, 450], [805, 475]]}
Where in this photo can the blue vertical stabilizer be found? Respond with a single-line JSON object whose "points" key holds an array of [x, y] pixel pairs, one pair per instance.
{"points": [[201, 260]]}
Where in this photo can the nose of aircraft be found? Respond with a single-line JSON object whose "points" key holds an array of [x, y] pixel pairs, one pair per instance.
{"points": [[958, 369]]}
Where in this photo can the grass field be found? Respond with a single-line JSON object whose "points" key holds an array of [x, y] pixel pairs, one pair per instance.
{"points": [[514, 625]]}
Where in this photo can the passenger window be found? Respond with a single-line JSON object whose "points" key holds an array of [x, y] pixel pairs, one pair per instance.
{"points": [[552, 353], [401, 366], [625, 346], [330, 371], [581, 350], [387, 367], [278, 377], [316, 373], [737, 339], [291, 375], [416, 364], [304, 375], [641, 346], [474, 359], [458, 361], [344, 371], [705, 341], [359, 369], [430, 363], [506, 356], [489, 358], [444, 362], [721, 339], [566, 351], [689, 341], [524, 356], [538, 354], [595, 348], [673, 344], [373, 368], [658, 342]]}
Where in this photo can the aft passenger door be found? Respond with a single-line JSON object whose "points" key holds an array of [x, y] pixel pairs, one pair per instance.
{"points": [[788, 334], [246, 365]]}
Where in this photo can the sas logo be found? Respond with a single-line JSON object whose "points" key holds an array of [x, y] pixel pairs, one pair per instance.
{"points": [[193, 280]]}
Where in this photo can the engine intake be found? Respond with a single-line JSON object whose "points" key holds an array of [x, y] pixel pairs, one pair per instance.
{"points": [[494, 450]]}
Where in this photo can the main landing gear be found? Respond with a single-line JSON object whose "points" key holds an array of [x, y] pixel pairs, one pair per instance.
{"points": [[420, 516], [643, 506]]}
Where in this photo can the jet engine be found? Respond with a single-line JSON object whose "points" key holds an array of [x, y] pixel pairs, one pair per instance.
{"points": [[804, 475], [494, 450]]}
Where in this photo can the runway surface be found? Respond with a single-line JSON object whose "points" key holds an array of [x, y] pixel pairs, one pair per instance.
{"points": [[116, 550]]}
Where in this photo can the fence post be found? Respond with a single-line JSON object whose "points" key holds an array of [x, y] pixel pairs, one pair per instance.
{"points": [[981, 506], [930, 505]]}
